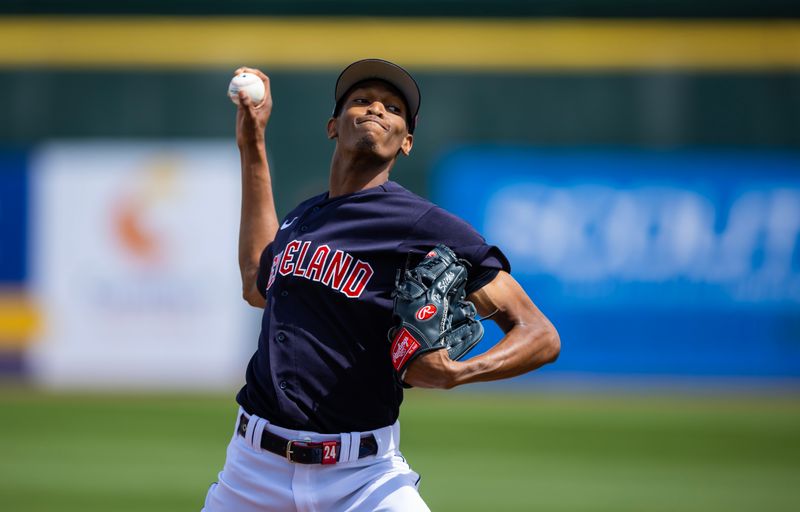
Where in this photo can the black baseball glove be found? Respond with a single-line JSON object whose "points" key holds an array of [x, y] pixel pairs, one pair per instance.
{"points": [[431, 312]]}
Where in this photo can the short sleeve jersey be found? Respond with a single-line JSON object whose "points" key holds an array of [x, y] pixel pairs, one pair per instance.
{"points": [[323, 360]]}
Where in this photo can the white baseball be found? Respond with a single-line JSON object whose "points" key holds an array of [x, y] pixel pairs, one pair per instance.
{"points": [[249, 83]]}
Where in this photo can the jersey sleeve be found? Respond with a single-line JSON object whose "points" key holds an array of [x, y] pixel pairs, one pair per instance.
{"points": [[438, 226], [264, 268]]}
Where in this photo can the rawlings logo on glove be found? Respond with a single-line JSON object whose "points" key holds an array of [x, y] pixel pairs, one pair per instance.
{"points": [[403, 347], [425, 312], [431, 311]]}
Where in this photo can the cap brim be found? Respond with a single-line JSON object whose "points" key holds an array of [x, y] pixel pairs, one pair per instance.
{"points": [[378, 69]]}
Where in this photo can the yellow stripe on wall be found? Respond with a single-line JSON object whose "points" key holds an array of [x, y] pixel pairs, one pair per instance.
{"points": [[19, 320], [432, 43]]}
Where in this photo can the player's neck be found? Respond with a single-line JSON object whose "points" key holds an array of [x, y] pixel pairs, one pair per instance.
{"points": [[352, 172]]}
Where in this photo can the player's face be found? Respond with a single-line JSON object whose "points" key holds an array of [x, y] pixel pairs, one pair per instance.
{"points": [[373, 119]]}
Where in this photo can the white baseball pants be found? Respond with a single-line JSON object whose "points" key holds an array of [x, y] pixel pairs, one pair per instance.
{"points": [[255, 480]]}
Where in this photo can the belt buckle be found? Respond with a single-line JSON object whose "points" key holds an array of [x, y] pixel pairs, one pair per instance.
{"points": [[289, 449], [329, 449]]}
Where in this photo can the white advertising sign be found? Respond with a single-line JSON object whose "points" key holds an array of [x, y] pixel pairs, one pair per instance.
{"points": [[135, 265]]}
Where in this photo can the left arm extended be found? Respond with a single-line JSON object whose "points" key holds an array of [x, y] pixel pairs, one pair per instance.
{"points": [[530, 341]]}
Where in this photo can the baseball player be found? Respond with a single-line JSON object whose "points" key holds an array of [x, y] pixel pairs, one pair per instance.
{"points": [[317, 428]]}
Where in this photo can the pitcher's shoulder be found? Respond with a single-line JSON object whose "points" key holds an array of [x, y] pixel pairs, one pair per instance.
{"points": [[401, 194]]}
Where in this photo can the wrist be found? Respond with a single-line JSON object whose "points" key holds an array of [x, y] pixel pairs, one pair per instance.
{"points": [[468, 371], [253, 151], [457, 373], [252, 143]]}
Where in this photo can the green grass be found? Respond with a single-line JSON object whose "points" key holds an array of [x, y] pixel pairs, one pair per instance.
{"points": [[476, 452]]}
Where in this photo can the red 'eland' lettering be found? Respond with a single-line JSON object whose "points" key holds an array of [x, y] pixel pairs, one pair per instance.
{"points": [[337, 270], [355, 284], [272, 271], [338, 267], [298, 270], [315, 268], [286, 262]]}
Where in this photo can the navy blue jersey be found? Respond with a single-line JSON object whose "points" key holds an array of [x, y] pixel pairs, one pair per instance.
{"points": [[323, 361]]}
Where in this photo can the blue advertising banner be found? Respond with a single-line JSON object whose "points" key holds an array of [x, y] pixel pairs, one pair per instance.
{"points": [[672, 263], [13, 217]]}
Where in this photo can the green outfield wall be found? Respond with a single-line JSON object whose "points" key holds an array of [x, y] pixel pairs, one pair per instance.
{"points": [[645, 109]]}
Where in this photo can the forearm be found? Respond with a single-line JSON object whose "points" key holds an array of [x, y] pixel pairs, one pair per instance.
{"points": [[529, 342], [259, 222], [524, 348]]}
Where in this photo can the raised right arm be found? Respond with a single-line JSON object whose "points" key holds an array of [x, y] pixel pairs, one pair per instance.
{"points": [[259, 222]]}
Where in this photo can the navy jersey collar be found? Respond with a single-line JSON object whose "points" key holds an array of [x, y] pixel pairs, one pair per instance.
{"points": [[387, 186]]}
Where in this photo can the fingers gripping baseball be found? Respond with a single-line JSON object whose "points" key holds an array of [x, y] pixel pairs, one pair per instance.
{"points": [[252, 119]]}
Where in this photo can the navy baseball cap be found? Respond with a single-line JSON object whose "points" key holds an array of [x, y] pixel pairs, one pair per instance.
{"points": [[379, 69]]}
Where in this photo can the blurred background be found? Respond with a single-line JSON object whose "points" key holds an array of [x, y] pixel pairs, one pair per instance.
{"points": [[638, 162]]}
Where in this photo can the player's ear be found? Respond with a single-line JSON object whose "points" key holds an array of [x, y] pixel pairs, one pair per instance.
{"points": [[332, 132], [408, 141]]}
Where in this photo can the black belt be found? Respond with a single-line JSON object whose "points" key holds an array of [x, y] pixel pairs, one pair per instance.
{"points": [[307, 452]]}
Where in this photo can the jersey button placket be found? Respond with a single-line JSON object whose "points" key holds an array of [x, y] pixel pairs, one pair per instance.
{"points": [[283, 385]]}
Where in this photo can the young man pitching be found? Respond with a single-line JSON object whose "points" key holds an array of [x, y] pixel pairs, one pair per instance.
{"points": [[318, 424]]}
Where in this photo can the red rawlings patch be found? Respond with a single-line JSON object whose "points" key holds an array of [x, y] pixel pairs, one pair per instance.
{"points": [[403, 347], [431, 254], [426, 312]]}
